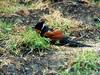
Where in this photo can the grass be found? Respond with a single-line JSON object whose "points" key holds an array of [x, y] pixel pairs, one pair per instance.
{"points": [[12, 6], [32, 39], [12, 9], [86, 63], [1, 35], [17, 37], [5, 27], [95, 2], [27, 39], [40, 5], [56, 20], [98, 25]]}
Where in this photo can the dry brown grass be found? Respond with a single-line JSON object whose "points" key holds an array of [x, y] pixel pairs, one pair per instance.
{"points": [[56, 20]]}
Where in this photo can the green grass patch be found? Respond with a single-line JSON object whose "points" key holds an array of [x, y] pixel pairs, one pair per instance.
{"points": [[86, 63], [28, 39], [5, 27], [34, 40], [17, 37]]}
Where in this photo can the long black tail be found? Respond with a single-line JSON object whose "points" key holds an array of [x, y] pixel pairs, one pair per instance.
{"points": [[72, 43]]}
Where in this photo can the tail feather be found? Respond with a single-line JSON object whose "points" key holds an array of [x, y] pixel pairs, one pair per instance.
{"points": [[72, 43]]}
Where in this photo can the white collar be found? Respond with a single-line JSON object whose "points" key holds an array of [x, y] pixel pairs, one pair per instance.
{"points": [[43, 26]]}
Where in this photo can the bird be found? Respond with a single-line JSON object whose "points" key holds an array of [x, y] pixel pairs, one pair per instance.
{"points": [[56, 35]]}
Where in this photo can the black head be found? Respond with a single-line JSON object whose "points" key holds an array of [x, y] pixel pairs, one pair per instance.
{"points": [[39, 26]]}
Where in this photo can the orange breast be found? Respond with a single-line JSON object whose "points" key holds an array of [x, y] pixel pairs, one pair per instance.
{"points": [[55, 35]]}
